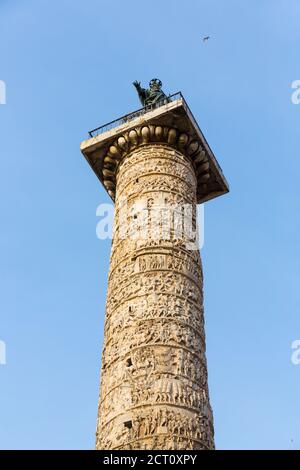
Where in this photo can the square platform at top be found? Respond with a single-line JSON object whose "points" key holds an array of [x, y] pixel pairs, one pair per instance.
{"points": [[175, 115]]}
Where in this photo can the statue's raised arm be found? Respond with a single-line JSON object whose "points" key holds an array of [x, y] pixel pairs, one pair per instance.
{"points": [[141, 92]]}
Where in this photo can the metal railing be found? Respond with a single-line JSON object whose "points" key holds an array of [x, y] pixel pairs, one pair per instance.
{"points": [[135, 114]]}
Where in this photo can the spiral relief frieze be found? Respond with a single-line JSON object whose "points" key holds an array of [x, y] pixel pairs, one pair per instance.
{"points": [[154, 392]]}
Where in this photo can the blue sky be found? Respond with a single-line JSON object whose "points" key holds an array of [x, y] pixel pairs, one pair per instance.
{"points": [[68, 67]]}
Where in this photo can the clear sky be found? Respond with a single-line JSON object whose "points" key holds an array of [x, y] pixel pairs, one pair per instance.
{"points": [[68, 67]]}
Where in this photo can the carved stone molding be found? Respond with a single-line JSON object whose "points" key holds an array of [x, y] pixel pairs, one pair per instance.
{"points": [[143, 135]]}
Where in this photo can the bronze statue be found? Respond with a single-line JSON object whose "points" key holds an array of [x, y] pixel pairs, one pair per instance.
{"points": [[153, 95]]}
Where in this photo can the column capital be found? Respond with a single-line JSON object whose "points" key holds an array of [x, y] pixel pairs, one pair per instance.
{"points": [[173, 125]]}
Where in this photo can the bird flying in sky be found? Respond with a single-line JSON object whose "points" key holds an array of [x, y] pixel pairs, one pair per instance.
{"points": [[206, 38]]}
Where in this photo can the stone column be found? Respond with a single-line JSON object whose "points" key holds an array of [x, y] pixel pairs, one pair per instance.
{"points": [[154, 392]]}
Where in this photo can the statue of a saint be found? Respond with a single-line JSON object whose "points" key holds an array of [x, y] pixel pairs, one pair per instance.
{"points": [[152, 95]]}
